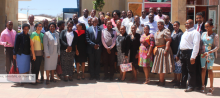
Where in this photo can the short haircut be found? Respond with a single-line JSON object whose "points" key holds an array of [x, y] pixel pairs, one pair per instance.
{"points": [[199, 14], [69, 21], [60, 23], [161, 21], [117, 12], [147, 26], [177, 22], [25, 25], [52, 23], [36, 25], [134, 25], [131, 12]]}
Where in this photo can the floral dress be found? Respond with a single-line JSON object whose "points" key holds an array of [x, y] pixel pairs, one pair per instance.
{"points": [[207, 46], [146, 42]]}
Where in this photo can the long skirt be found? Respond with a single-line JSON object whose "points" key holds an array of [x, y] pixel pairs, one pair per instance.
{"points": [[67, 60], [23, 63], [163, 64]]}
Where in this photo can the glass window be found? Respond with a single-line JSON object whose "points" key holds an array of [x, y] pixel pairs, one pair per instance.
{"points": [[157, 0]]}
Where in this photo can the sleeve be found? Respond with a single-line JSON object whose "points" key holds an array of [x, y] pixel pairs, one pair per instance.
{"points": [[46, 45], [2, 39], [114, 39], [127, 48], [103, 40], [62, 40], [75, 39], [215, 44], [17, 41], [167, 34], [196, 43], [32, 37], [91, 44], [116, 44]]}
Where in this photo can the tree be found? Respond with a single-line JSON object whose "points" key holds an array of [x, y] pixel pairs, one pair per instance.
{"points": [[98, 4]]}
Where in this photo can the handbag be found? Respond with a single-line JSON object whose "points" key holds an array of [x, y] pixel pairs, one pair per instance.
{"points": [[13, 70], [59, 68], [126, 66]]}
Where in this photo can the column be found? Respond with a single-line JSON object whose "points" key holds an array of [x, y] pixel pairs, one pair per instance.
{"points": [[2, 15], [179, 12], [12, 12]]}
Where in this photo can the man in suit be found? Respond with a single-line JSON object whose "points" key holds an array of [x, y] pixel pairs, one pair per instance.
{"points": [[168, 25], [93, 37], [200, 27]]}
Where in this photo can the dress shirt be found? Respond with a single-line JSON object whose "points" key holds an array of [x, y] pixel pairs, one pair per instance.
{"points": [[8, 36], [143, 21], [109, 38], [157, 17], [84, 20], [199, 26], [153, 27], [126, 22], [43, 30], [139, 30], [31, 28], [69, 37], [166, 26], [190, 40]]}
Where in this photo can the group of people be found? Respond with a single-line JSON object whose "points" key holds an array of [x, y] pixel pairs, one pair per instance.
{"points": [[149, 41]]}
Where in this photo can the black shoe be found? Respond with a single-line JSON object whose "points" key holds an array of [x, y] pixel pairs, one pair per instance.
{"points": [[111, 79], [97, 78], [105, 78], [161, 84], [42, 79], [91, 78], [189, 90]]}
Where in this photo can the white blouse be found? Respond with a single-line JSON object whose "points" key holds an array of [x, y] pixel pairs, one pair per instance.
{"points": [[69, 37]]}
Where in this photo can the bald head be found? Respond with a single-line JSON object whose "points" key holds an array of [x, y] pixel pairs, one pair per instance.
{"points": [[159, 11], [54, 20], [143, 13], [85, 13], [166, 19], [75, 18], [94, 21], [151, 10], [31, 19], [10, 25], [189, 24]]}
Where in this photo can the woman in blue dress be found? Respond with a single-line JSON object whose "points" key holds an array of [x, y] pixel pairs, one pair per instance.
{"points": [[209, 46]]}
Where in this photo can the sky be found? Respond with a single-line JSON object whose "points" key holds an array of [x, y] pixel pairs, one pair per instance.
{"points": [[49, 7]]}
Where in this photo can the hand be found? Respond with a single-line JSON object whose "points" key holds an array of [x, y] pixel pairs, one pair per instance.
{"points": [[116, 53], [34, 58], [148, 55], [14, 57], [96, 46], [109, 51], [77, 52], [48, 56], [137, 55], [142, 25], [126, 57], [192, 61], [177, 58], [69, 49], [205, 54], [165, 53]]}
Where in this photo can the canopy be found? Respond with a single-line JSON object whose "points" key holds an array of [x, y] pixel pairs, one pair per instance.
{"points": [[23, 17]]}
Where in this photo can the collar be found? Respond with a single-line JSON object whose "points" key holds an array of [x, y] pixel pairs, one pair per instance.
{"points": [[200, 24], [191, 29], [144, 18], [85, 17], [8, 29], [30, 24]]}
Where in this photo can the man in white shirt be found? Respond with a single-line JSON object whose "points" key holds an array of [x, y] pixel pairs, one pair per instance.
{"points": [[159, 14], [151, 10], [143, 18], [84, 18], [31, 23], [152, 24], [188, 51], [140, 29], [127, 20], [123, 14], [92, 14]]}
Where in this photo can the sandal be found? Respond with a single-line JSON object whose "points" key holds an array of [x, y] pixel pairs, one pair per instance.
{"points": [[203, 89], [210, 91], [147, 81], [47, 82]]}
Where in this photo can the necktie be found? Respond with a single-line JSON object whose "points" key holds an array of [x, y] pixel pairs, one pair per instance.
{"points": [[198, 27], [95, 32]]}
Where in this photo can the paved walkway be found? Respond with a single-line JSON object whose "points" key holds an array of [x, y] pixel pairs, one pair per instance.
{"points": [[94, 89]]}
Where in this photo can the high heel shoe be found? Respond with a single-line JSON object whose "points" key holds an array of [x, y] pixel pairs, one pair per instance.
{"points": [[203, 89], [210, 91]]}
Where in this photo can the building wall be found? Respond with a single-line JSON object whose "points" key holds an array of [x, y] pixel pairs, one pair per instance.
{"points": [[2, 15]]}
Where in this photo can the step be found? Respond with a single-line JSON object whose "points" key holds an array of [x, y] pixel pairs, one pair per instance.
{"points": [[216, 73], [216, 67]]}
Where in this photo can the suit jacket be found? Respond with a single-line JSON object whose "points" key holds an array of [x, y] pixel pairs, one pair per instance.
{"points": [[19, 43], [49, 46], [90, 38], [63, 40], [202, 28], [170, 27]]}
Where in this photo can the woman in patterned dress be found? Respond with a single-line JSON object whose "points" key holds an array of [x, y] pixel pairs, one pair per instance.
{"points": [[163, 59], [145, 52], [208, 47], [122, 52]]}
